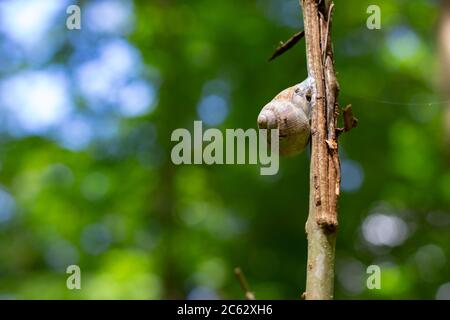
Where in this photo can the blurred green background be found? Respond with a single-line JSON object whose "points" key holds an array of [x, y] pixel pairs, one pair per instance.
{"points": [[85, 171]]}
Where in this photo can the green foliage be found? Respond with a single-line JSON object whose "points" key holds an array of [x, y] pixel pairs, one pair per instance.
{"points": [[142, 228]]}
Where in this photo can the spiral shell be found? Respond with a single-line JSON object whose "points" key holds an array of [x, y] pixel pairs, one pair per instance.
{"points": [[289, 112]]}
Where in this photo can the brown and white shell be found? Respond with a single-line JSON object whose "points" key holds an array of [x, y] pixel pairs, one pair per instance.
{"points": [[289, 112]]}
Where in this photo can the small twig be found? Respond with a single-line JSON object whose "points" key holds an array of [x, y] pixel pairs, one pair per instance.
{"points": [[285, 46], [350, 121], [244, 285]]}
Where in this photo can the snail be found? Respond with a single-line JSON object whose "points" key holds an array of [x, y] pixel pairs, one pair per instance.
{"points": [[290, 113]]}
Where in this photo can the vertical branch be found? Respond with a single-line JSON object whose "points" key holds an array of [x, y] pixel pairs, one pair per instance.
{"points": [[325, 169]]}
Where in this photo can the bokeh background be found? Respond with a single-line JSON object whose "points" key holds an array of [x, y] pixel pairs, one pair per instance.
{"points": [[85, 170]]}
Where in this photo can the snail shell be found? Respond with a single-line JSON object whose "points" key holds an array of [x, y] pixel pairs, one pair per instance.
{"points": [[289, 112]]}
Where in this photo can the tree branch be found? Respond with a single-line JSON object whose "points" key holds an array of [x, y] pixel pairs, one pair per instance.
{"points": [[325, 167]]}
